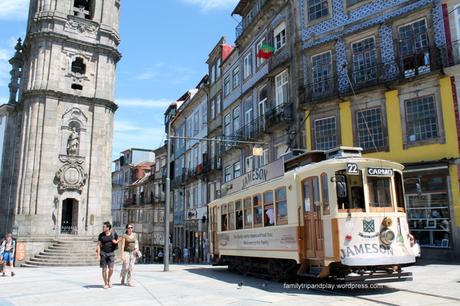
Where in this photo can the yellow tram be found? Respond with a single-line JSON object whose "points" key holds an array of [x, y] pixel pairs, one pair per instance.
{"points": [[321, 214]]}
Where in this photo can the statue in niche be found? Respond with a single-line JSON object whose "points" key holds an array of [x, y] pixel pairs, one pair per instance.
{"points": [[73, 142]]}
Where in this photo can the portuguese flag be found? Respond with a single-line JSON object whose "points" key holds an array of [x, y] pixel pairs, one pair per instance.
{"points": [[265, 51]]}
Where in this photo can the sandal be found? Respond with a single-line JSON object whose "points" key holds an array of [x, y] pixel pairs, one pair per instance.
{"points": [[130, 285], [106, 287]]}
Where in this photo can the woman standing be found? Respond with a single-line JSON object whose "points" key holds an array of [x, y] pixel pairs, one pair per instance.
{"points": [[129, 248]]}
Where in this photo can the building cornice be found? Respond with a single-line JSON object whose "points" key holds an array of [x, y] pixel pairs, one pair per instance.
{"points": [[70, 98], [59, 37]]}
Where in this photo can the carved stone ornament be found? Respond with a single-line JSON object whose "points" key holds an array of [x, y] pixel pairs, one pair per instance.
{"points": [[79, 25], [71, 177]]}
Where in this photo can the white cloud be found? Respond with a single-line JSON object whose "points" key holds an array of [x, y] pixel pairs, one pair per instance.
{"points": [[14, 9], [162, 104], [207, 5], [146, 76], [128, 134]]}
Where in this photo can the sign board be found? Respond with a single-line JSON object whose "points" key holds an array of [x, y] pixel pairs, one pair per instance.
{"points": [[352, 169], [281, 239], [379, 172], [258, 176]]}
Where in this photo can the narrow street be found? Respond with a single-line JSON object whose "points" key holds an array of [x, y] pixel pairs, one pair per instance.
{"points": [[434, 284]]}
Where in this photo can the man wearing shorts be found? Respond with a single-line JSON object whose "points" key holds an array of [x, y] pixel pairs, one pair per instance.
{"points": [[106, 246]]}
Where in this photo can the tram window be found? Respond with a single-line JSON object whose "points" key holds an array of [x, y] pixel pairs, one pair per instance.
{"points": [[224, 220], [325, 194], [281, 206], [341, 183], [399, 191], [306, 196], [316, 202], [357, 197], [350, 192], [214, 219], [257, 201], [239, 215], [231, 216], [247, 213], [379, 192], [269, 212]]}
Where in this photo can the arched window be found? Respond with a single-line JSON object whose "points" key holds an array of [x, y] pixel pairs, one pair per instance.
{"points": [[78, 66], [83, 8]]}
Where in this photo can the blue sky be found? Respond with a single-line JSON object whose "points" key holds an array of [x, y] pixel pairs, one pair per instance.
{"points": [[165, 44]]}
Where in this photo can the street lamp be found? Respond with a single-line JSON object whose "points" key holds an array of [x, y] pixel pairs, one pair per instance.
{"points": [[167, 202]]}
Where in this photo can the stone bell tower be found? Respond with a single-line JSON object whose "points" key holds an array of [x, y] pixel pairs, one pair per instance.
{"points": [[56, 166]]}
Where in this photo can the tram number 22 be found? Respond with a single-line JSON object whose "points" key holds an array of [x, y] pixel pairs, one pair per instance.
{"points": [[352, 169]]}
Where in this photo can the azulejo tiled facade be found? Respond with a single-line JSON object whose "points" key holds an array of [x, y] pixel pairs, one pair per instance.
{"points": [[346, 21]]}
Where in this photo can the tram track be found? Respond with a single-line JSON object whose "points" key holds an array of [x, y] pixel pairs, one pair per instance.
{"points": [[342, 292]]}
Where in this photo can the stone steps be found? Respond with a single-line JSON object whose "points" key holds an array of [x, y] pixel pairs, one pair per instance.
{"points": [[66, 253]]}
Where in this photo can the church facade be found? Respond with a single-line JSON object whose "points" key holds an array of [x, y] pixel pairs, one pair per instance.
{"points": [[58, 123]]}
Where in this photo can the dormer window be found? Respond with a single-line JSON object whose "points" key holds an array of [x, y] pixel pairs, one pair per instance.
{"points": [[83, 8], [78, 66]]}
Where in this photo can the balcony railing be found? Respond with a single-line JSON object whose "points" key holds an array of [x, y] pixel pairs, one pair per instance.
{"points": [[280, 57], [191, 174], [403, 68], [272, 117], [129, 202], [212, 164], [278, 114], [252, 15]]}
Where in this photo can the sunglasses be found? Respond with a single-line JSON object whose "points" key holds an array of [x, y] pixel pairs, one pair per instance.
{"points": [[130, 227]]}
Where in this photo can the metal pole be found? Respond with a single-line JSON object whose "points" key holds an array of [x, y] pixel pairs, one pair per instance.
{"points": [[167, 203]]}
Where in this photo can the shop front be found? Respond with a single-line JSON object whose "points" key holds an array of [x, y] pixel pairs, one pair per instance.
{"points": [[430, 209]]}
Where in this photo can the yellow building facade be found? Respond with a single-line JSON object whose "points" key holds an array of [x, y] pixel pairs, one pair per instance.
{"points": [[418, 127]]}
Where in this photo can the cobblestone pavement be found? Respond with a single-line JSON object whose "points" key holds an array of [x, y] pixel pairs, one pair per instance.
{"points": [[434, 284]]}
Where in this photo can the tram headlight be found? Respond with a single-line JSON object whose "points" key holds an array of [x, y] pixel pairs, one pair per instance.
{"points": [[387, 236]]}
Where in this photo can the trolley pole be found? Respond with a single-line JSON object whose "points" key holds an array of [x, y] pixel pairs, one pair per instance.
{"points": [[167, 202]]}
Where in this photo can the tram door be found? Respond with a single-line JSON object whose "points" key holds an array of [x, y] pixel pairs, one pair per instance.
{"points": [[313, 225]]}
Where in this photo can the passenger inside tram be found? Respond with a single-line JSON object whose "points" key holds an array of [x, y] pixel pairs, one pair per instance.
{"points": [[350, 193]]}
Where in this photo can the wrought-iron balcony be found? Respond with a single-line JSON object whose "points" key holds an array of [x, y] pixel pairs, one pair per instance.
{"points": [[252, 15], [279, 57], [272, 117], [212, 164], [129, 202], [191, 174], [405, 67], [322, 88], [279, 114]]}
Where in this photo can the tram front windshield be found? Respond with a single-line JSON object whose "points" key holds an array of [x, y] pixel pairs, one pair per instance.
{"points": [[350, 192]]}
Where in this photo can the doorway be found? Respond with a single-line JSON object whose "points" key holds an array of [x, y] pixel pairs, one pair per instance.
{"points": [[69, 217], [313, 225]]}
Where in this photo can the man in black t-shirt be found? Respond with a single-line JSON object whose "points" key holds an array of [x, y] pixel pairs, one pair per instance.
{"points": [[107, 243]]}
